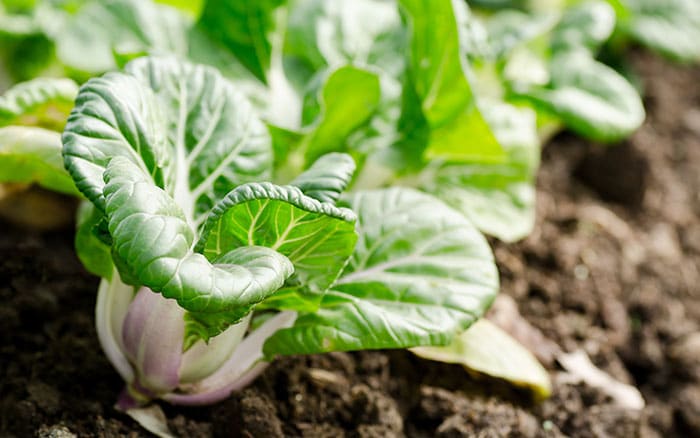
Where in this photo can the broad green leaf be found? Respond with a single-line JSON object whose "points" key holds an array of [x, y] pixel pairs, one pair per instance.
{"points": [[244, 27], [316, 237], [33, 155], [671, 26], [87, 40], [327, 178], [588, 24], [114, 115], [152, 239], [591, 99], [94, 254], [457, 128], [349, 97], [487, 349], [217, 138], [190, 128], [498, 198], [420, 274], [41, 102]]}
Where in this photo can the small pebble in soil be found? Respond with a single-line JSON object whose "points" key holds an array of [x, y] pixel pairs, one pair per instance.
{"points": [[55, 431]]}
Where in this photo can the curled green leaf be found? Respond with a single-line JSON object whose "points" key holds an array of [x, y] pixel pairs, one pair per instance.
{"points": [[327, 178], [317, 237], [153, 241]]}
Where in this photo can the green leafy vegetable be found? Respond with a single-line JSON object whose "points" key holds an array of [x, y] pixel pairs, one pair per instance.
{"points": [[420, 274], [217, 192]]}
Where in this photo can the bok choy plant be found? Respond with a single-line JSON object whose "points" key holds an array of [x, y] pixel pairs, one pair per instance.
{"points": [[302, 176], [208, 272]]}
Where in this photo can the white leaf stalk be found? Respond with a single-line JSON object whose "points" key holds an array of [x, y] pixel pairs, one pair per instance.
{"points": [[142, 334]]}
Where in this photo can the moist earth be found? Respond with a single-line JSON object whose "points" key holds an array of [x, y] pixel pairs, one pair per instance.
{"points": [[612, 267]]}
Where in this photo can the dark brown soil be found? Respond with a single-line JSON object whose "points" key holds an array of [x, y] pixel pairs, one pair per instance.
{"points": [[613, 267]]}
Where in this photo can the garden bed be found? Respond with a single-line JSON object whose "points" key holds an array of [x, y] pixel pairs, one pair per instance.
{"points": [[612, 267]]}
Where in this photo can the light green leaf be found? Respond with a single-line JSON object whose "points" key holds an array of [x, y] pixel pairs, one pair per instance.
{"points": [[87, 40], [420, 274], [671, 26], [33, 155], [152, 239], [327, 178], [114, 115], [458, 130], [193, 8], [588, 24], [215, 134], [317, 237], [498, 198], [41, 102], [487, 349], [190, 128], [348, 99], [244, 27], [183, 137], [591, 99]]}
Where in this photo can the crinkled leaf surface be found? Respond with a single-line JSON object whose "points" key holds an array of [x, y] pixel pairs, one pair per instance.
{"points": [[193, 137], [327, 178], [41, 102], [33, 155], [217, 137], [153, 239], [499, 198], [317, 237], [487, 349], [458, 131], [188, 127], [420, 273], [589, 97]]}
